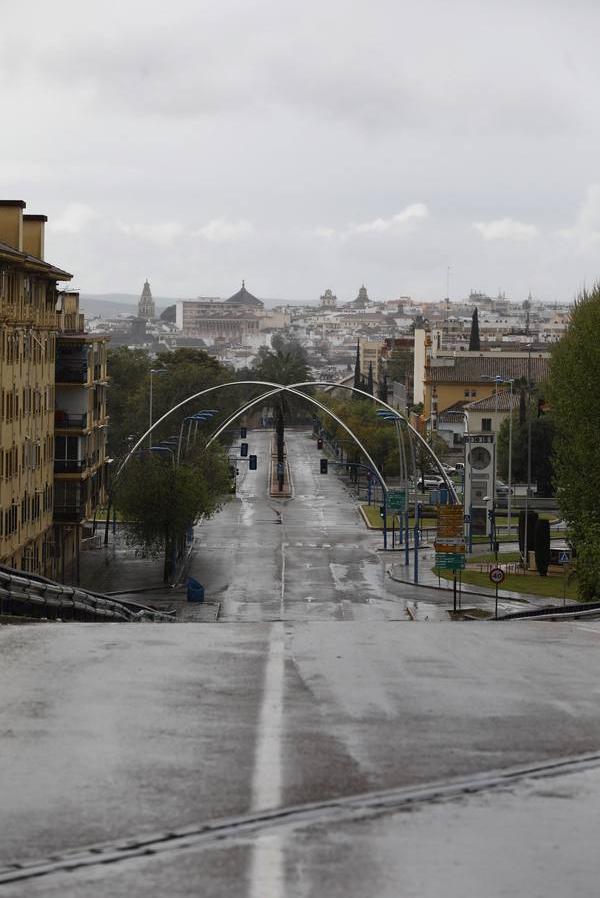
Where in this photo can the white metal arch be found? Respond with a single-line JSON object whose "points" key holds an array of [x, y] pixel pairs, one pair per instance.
{"points": [[325, 383], [296, 389], [231, 383], [311, 399]]}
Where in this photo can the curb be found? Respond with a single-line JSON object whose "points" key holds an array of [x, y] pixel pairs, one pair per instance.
{"points": [[471, 592]]}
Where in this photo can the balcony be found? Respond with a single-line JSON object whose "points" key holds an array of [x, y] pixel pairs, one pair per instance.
{"points": [[69, 514], [72, 374], [65, 420], [69, 465]]}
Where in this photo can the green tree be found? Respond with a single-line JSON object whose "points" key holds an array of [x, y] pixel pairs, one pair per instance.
{"points": [[357, 384], [574, 378], [542, 442], [399, 366], [186, 371], [474, 340], [128, 370], [541, 543], [161, 500], [285, 363], [532, 518], [168, 314]]}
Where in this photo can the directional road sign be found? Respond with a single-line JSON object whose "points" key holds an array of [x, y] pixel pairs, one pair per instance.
{"points": [[453, 561], [396, 500]]}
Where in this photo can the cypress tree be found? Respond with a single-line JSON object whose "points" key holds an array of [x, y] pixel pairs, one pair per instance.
{"points": [[522, 408], [358, 382], [370, 379], [474, 341], [532, 518], [542, 546]]}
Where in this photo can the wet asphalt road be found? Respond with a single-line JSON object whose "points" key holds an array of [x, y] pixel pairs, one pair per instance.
{"points": [[316, 684], [308, 558]]}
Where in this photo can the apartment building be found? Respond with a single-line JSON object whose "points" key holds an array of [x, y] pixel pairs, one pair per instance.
{"points": [[80, 429], [39, 328]]}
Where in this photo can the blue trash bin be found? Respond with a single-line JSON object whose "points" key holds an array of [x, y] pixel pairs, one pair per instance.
{"points": [[195, 591]]}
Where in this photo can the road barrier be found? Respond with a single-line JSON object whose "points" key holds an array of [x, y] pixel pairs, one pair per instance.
{"points": [[23, 595]]}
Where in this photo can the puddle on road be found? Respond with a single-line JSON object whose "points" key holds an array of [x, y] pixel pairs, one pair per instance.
{"points": [[339, 572]]}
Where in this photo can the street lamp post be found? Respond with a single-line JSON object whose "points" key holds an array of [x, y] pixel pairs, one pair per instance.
{"points": [[204, 415], [525, 533], [511, 381]]}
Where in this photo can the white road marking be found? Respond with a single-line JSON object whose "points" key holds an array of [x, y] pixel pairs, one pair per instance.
{"points": [[282, 577], [591, 629], [267, 877]]}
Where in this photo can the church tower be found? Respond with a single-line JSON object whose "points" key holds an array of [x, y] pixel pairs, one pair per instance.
{"points": [[146, 307]]}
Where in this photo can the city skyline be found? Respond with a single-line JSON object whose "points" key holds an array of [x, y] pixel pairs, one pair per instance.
{"points": [[307, 147]]}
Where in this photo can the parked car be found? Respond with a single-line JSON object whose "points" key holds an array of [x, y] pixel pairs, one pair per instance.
{"points": [[502, 488], [449, 469], [459, 467], [431, 483]]}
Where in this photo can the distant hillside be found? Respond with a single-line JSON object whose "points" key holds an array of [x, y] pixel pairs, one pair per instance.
{"points": [[108, 305]]}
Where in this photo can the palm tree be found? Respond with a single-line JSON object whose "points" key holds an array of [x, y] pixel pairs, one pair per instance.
{"points": [[285, 363]]}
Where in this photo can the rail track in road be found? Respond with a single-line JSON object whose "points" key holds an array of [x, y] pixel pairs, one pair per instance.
{"points": [[333, 811]]}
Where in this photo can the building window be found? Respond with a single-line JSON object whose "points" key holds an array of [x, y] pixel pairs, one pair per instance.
{"points": [[486, 424]]}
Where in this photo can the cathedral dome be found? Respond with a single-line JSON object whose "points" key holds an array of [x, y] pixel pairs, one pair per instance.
{"points": [[244, 299]]}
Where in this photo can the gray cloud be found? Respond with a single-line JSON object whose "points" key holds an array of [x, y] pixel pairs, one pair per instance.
{"points": [[200, 142]]}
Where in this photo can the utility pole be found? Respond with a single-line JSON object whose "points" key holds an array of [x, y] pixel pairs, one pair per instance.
{"points": [[525, 534]]}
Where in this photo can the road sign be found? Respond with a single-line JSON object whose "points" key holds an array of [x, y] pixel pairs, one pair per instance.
{"points": [[396, 500], [450, 546], [450, 521], [452, 561], [564, 558], [496, 575]]}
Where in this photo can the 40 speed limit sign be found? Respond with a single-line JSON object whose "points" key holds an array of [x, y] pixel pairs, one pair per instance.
{"points": [[496, 575]]}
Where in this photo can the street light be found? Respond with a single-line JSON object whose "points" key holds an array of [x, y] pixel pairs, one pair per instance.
{"points": [[153, 371], [386, 415], [204, 415], [525, 534], [506, 380]]}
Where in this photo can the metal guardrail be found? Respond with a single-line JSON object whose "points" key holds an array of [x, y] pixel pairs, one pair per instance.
{"points": [[30, 596], [589, 609]]}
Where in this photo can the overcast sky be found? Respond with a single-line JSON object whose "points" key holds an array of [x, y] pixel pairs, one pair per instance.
{"points": [[305, 145]]}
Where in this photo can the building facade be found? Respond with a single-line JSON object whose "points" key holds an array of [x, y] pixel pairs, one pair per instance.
{"points": [[81, 428], [35, 319]]}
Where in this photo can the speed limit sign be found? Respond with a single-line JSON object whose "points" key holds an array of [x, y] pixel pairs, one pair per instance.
{"points": [[496, 575]]}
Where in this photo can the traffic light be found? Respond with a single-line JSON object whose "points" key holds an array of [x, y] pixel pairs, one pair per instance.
{"points": [[381, 511], [323, 466], [244, 450], [319, 443], [243, 432], [252, 463]]}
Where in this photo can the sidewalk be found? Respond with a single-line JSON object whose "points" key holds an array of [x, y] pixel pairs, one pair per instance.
{"points": [[118, 568], [401, 573]]}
